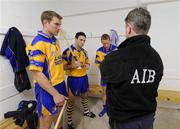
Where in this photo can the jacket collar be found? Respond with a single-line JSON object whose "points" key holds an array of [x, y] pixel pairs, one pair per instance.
{"points": [[52, 39], [74, 48], [139, 39]]}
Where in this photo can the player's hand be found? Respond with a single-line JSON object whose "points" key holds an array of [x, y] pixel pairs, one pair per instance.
{"points": [[86, 66], [77, 64], [59, 99]]}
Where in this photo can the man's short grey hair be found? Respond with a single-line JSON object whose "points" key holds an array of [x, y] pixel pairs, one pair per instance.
{"points": [[140, 19]]}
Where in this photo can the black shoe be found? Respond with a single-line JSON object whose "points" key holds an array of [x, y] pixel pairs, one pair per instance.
{"points": [[90, 114], [70, 126]]}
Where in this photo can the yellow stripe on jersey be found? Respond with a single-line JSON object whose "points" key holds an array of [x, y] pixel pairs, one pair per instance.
{"points": [[45, 56], [81, 56], [99, 58], [101, 53]]}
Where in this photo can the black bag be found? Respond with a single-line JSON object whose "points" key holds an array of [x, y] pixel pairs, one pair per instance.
{"points": [[26, 111], [28, 107]]}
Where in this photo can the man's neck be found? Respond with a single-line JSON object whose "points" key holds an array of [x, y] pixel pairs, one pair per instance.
{"points": [[107, 49], [132, 35], [46, 32], [77, 47]]}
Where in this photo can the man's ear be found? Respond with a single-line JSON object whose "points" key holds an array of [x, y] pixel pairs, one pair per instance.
{"points": [[45, 22], [129, 30]]}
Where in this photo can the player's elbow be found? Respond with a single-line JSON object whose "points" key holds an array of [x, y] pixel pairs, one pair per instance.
{"points": [[35, 73]]}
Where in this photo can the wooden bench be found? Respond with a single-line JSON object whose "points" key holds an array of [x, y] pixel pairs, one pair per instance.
{"points": [[95, 91], [167, 95], [9, 124], [164, 95]]}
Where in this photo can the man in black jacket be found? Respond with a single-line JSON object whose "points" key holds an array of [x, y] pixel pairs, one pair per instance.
{"points": [[132, 74]]}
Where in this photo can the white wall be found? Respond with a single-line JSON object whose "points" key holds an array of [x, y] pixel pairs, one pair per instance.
{"points": [[94, 18], [165, 33]]}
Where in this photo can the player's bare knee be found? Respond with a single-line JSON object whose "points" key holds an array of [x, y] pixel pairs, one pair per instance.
{"points": [[71, 100], [45, 122]]}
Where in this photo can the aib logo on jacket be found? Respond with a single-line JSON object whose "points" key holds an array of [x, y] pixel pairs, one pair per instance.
{"points": [[148, 76]]}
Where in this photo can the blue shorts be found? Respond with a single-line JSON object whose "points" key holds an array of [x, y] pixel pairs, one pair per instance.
{"points": [[78, 85], [103, 84], [45, 102]]}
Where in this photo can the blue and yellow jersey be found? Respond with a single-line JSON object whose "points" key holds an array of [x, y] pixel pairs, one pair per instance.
{"points": [[45, 56], [81, 56], [101, 53]]}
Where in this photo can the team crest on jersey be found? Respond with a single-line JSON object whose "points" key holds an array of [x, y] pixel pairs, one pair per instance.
{"points": [[58, 60]]}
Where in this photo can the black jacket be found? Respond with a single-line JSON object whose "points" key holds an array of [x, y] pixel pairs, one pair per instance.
{"points": [[13, 48], [132, 74]]}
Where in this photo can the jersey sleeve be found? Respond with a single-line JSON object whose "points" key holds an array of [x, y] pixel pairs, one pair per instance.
{"points": [[67, 56], [36, 54], [97, 59]]}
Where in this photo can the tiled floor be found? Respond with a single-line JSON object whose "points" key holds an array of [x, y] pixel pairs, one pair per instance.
{"points": [[167, 116]]}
